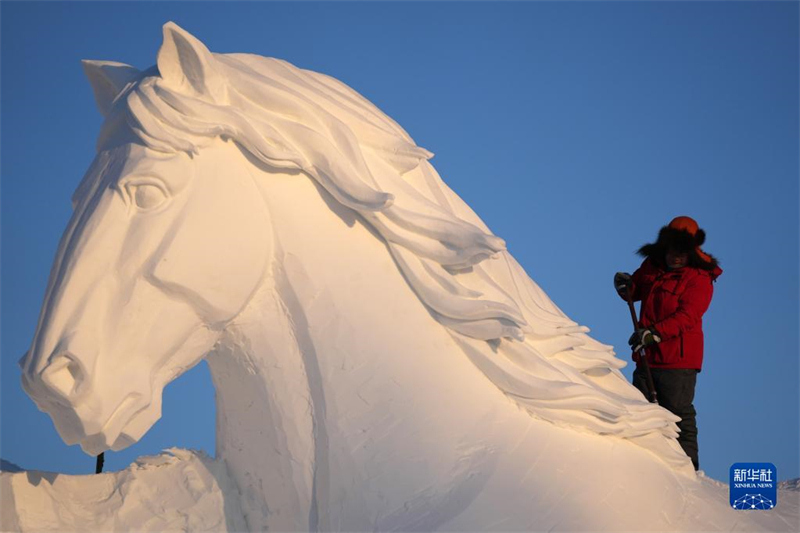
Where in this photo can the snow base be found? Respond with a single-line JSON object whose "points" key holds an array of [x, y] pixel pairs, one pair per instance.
{"points": [[185, 490], [178, 490]]}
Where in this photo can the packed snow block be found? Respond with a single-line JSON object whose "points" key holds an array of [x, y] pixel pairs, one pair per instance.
{"points": [[179, 490]]}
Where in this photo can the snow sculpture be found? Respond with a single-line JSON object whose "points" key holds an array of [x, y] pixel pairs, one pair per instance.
{"points": [[369, 338]]}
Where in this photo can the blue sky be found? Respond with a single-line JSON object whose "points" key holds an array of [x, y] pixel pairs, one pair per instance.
{"points": [[574, 129]]}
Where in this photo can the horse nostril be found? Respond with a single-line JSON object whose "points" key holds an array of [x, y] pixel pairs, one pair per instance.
{"points": [[64, 374]]}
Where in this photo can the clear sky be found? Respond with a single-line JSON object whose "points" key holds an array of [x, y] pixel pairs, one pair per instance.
{"points": [[575, 130]]}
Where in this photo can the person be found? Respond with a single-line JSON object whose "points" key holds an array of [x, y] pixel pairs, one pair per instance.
{"points": [[675, 284]]}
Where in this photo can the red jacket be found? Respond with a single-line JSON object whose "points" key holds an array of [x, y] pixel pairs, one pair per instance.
{"points": [[674, 303]]}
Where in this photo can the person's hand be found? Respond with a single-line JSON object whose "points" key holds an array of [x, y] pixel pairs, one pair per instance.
{"points": [[644, 337], [622, 283]]}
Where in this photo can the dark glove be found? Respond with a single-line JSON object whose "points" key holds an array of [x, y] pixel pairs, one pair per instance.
{"points": [[644, 337], [622, 283]]}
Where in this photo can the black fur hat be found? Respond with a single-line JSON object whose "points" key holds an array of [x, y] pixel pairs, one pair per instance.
{"points": [[682, 235]]}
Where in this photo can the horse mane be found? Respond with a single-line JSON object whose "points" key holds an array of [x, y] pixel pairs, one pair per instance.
{"points": [[509, 328]]}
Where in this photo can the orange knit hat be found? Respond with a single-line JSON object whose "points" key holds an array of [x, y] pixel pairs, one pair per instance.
{"points": [[689, 225], [685, 223]]}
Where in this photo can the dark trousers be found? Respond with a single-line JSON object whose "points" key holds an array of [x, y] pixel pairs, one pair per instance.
{"points": [[675, 390]]}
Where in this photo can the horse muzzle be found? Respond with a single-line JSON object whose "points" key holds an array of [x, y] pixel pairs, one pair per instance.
{"points": [[85, 416]]}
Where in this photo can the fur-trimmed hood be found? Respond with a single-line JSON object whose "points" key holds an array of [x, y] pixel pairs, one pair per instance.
{"points": [[682, 241]]}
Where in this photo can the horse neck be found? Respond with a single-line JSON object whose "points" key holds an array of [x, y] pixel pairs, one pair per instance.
{"points": [[264, 420], [333, 360]]}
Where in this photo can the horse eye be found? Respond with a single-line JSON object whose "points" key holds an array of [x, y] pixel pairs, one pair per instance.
{"points": [[147, 196]]}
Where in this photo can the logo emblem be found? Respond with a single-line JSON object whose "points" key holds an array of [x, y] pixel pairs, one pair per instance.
{"points": [[754, 486]]}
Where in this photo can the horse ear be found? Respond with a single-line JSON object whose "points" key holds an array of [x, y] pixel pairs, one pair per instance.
{"points": [[183, 60], [108, 79]]}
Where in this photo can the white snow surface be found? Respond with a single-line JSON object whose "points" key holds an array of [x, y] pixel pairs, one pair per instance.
{"points": [[184, 490], [178, 490], [381, 362]]}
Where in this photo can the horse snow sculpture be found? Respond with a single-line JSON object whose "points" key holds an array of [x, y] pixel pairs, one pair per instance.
{"points": [[370, 340]]}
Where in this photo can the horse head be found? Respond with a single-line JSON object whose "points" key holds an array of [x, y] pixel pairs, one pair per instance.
{"points": [[169, 226], [157, 236]]}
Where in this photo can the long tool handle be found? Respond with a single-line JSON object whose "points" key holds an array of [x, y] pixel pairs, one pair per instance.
{"points": [[642, 354]]}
